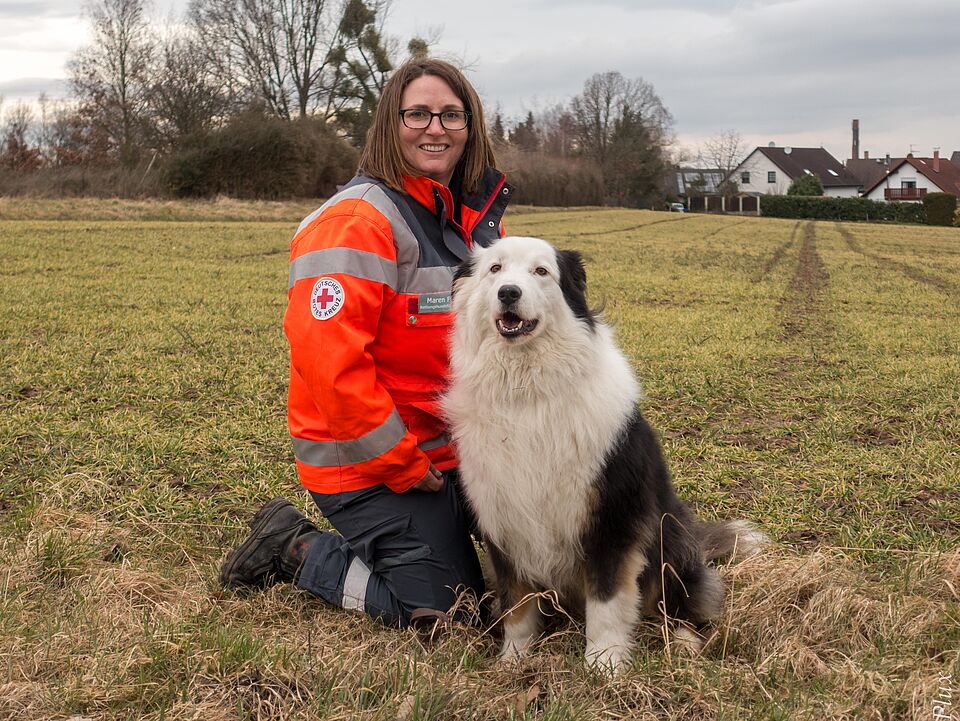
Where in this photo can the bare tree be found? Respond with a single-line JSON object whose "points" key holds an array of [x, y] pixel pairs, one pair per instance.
{"points": [[558, 131], [185, 97], [723, 150], [296, 57], [18, 151], [623, 125], [606, 99], [110, 76]]}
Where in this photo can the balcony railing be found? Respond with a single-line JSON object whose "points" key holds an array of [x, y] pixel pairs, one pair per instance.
{"points": [[904, 193]]}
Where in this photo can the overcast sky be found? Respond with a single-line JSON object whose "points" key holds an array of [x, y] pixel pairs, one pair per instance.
{"points": [[790, 71]]}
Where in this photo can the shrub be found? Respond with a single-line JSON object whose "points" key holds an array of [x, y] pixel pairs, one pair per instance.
{"points": [[543, 179], [956, 218], [820, 208], [940, 208], [806, 185], [255, 156]]}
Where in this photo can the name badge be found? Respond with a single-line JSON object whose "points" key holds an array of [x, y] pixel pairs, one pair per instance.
{"points": [[433, 303]]}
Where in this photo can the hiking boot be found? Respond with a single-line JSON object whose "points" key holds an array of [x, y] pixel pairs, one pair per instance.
{"points": [[429, 624], [267, 556]]}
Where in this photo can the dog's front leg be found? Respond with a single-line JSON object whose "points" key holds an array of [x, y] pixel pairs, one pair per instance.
{"points": [[520, 607], [612, 611]]}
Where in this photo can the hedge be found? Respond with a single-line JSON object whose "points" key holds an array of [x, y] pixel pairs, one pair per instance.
{"points": [[940, 208], [262, 157], [799, 206]]}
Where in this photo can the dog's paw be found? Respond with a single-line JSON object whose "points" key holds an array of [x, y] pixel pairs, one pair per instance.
{"points": [[611, 661], [514, 649], [687, 641]]}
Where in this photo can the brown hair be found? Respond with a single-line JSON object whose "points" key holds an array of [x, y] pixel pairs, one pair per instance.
{"points": [[383, 157]]}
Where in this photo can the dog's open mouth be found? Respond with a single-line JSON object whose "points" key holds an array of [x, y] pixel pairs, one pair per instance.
{"points": [[511, 325]]}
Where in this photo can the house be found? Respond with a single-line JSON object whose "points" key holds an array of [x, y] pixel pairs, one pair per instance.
{"points": [[911, 178], [771, 170], [870, 170], [696, 181]]}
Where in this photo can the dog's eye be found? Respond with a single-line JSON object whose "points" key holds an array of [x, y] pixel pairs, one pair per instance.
{"points": [[541, 271], [495, 268]]}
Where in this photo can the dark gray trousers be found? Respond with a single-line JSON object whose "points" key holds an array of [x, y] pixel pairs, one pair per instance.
{"points": [[395, 552]]}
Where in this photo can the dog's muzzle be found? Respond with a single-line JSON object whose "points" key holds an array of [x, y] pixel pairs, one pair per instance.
{"points": [[509, 324]]}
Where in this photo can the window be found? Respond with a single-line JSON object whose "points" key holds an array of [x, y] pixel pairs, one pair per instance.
{"points": [[908, 184], [771, 176], [745, 178]]}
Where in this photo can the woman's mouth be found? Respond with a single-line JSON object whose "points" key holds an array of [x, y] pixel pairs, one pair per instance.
{"points": [[433, 148]]}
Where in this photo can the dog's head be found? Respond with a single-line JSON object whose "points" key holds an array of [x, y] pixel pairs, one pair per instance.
{"points": [[520, 288]]}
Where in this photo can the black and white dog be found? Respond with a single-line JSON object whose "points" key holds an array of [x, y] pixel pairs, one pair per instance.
{"points": [[565, 476]]}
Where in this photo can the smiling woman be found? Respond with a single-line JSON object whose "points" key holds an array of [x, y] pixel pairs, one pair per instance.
{"points": [[368, 322]]}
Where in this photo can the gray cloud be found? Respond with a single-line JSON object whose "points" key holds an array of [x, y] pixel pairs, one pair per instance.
{"points": [[769, 68], [33, 87]]}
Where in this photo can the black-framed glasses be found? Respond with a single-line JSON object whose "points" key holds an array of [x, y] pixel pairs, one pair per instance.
{"points": [[418, 119]]}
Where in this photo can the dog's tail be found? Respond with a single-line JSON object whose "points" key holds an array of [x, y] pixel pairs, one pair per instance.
{"points": [[731, 540]]}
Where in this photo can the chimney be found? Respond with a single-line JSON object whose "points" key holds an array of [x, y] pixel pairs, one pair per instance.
{"points": [[886, 161], [856, 140], [866, 155], [936, 161]]}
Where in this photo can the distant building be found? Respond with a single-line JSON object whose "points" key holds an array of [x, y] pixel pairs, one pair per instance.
{"points": [[910, 179], [696, 181], [771, 170], [870, 170]]}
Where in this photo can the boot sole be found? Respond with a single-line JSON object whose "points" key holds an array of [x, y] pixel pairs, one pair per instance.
{"points": [[257, 524]]}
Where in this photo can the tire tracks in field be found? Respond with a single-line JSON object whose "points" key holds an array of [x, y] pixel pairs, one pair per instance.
{"points": [[590, 234], [801, 307], [778, 253], [912, 272], [722, 228]]}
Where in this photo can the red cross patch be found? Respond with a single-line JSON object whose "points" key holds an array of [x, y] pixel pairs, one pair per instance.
{"points": [[327, 298]]}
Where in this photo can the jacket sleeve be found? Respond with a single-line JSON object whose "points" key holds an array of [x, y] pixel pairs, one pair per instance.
{"points": [[347, 261]]}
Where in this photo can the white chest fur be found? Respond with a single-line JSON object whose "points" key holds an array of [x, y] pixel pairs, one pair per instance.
{"points": [[533, 432]]}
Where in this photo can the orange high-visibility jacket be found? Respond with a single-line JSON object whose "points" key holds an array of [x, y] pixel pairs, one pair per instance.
{"points": [[368, 320]]}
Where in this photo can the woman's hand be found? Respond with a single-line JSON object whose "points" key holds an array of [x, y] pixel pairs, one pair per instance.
{"points": [[433, 481]]}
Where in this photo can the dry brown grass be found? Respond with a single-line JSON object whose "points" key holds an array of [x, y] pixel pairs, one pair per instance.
{"points": [[95, 626], [217, 209], [142, 390]]}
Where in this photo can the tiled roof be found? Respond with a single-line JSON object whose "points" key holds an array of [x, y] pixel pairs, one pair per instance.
{"points": [[947, 179], [870, 171], [817, 161]]}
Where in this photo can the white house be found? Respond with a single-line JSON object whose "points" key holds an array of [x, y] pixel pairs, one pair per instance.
{"points": [[910, 179], [771, 170]]}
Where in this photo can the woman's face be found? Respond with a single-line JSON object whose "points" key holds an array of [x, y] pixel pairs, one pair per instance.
{"points": [[433, 151]]}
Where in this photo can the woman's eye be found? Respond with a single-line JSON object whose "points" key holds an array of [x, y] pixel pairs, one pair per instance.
{"points": [[495, 268], [541, 271]]}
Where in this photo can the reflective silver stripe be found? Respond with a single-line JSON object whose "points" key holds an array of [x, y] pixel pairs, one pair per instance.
{"points": [[356, 263], [438, 279], [351, 193], [405, 276], [441, 440], [355, 586], [339, 453]]}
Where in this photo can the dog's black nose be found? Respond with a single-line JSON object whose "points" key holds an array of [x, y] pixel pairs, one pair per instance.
{"points": [[509, 294]]}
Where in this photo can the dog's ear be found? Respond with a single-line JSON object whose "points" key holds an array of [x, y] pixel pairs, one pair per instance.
{"points": [[572, 268], [573, 285], [464, 270]]}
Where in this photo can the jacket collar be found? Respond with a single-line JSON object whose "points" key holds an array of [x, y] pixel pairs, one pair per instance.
{"points": [[493, 191]]}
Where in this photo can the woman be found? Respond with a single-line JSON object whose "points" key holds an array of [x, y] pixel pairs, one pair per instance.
{"points": [[367, 322]]}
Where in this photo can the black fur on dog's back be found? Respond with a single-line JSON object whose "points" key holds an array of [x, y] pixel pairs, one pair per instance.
{"points": [[637, 505]]}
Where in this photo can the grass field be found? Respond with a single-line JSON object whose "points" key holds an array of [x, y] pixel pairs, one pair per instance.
{"points": [[803, 375]]}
